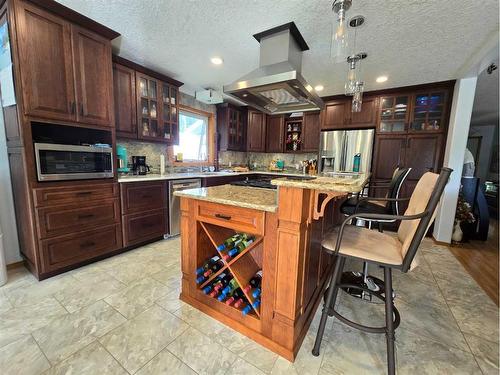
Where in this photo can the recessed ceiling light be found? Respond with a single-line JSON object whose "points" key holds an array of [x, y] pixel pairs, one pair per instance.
{"points": [[381, 79], [216, 60], [318, 88]]}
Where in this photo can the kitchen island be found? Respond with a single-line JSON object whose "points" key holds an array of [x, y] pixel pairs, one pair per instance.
{"points": [[287, 225]]}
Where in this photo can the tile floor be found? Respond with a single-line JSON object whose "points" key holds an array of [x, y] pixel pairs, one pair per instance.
{"points": [[122, 316]]}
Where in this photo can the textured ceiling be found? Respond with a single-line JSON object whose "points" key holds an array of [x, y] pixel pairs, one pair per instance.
{"points": [[410, 41]]}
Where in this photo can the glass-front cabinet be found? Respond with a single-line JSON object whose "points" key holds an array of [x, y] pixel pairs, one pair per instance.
{"points": [[394, 113], [428, 111], [157, 110]]}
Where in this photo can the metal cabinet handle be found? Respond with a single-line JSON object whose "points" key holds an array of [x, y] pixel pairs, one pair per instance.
{"points": [[87, 244], [81, 110], [86, 216], [221, 216], [72, 106], [145, 196], [147, 225]]}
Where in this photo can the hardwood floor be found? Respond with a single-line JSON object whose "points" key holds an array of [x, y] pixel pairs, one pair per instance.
{"points": [[480, 259]]}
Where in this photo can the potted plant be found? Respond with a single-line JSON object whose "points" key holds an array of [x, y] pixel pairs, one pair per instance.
{"points": [[463, 214]]}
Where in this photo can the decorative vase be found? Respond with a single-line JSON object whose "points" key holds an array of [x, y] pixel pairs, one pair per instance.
{"points": [[457, 234]]}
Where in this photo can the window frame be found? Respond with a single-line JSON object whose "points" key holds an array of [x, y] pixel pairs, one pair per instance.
{"points": [[210, 141]]}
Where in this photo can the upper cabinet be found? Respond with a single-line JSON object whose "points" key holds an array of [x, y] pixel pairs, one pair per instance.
{"points": [[65, 69], [146, 103], [275, 132], [394, 113], [310, 131], [231, 128], [125, 101], [338, 115], [256, 131], [428, 111]]}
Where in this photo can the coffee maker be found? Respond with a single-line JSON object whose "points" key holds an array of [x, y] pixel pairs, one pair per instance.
{"points": [[139, 165]]}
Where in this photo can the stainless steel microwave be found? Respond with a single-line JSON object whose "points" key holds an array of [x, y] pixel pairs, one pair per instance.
{"points": [[56, 162]]}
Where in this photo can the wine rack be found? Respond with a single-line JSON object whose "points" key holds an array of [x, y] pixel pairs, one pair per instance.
{"points": [[242, 267]]}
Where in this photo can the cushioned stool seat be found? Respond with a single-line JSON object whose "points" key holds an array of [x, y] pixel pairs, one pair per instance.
{"points": [[366, 244]]}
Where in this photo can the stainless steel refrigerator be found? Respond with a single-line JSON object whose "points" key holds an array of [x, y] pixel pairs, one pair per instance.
{"points": [[346, 151]]}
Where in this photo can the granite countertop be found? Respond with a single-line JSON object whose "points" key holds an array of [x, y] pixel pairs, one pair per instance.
{"points": [[178, 176], [344, 184], [240, 196]]}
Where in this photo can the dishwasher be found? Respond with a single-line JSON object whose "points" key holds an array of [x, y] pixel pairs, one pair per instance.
{"points": [[174, 208]]}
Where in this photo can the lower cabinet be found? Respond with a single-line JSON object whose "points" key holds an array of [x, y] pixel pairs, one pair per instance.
{"points": [[144, 211], [74, 248]]}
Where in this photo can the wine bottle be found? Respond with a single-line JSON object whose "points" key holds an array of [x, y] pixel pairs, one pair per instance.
{"points": [[229, 242], [256, 293], [216, 284], [207, 264], [256, 303], [239, 302], [214, 267], [255, 282], [227, 295], [236, 296], [232, 285], [246, 309], [240, 246]]}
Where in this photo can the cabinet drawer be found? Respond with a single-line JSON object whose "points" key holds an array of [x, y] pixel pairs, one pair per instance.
{"points": [[144, 226], [57, 220], [74, 194], [240, 219], [139, 197], [71, 249]]}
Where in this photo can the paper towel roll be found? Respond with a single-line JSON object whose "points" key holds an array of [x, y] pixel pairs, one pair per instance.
{"points": [[162, 164]]}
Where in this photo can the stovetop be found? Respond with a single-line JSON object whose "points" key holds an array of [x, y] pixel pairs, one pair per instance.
{"points": [[264, 184]]}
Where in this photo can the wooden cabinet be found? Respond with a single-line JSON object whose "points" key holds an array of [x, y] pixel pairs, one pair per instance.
{"points": [[334, 115], [275, 133], [394, 113], [389, 153], [367, 118], [144, 211], [125, 101], [46, 64], [310, 131], [423, 154], [429, 111], [256, 131], [92, 57], [65, 69], [148, 107], [231, 124]]}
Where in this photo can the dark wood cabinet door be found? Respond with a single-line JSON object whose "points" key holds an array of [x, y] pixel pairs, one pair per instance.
{"points": [[45, 61], [423, 154], [275, 132], [92, 57], [125, 101], [334, 115], [256, 130], [310, 131], [389, 154], [367, 118]]}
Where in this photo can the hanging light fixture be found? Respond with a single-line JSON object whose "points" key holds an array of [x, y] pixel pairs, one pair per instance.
{"points": [[357, 98], [339, 46], [354, 72]]}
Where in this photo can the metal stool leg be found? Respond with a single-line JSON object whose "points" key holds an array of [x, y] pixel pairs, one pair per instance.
{"points": [[331, 297], [389, 321]]}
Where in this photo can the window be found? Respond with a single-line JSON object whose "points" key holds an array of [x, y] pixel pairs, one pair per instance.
{"points": [[193, 137]]}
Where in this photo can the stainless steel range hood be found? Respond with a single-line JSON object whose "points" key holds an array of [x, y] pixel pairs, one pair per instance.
{"points": [[277, 86]]}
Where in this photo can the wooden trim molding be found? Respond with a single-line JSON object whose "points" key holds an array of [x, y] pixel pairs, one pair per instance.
{"points": [[146, 71], [211, 141]]}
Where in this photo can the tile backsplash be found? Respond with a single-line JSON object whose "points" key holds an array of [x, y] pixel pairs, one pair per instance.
{"points": [[261, 160]]}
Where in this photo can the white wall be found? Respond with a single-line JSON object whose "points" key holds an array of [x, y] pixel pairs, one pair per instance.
{"points": [[7, 214], [458, 133], [487, 132]]}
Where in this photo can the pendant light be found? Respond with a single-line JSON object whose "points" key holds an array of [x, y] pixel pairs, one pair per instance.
{"points": [[339, 46], [357, 98], [354, 58]]}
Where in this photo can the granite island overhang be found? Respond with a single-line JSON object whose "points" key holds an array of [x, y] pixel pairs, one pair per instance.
{"points": [[286, 226]]}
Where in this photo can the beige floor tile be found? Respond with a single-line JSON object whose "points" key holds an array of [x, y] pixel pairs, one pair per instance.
{"points": [[93, 359], [138, 340], [19, 321], [22, 357], [4, 302], [18, 277], [165, 363], [242, 367], [40, 290], [171, 301], [195, 318], [169, 275], [87, 291], [70, 333], [487, 367], [305, 363], [202, 354], [128, 272], [247, 349], [137, 296], [419, 355], [484, 349]]}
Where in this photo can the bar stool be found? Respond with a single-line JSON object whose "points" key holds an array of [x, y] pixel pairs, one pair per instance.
{"points": [[364, 204], [389, 252]]}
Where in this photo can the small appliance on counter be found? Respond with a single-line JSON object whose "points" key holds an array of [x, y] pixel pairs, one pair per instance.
{"points": [[139, 166], [122, 160], [277, 165]]}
